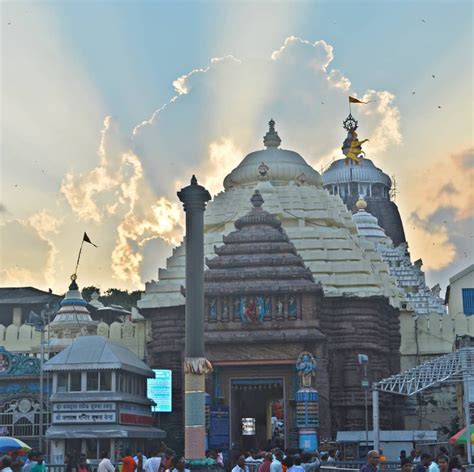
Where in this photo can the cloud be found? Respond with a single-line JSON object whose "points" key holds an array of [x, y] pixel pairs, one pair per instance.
{"points": [[441, 229], [217, 113]]}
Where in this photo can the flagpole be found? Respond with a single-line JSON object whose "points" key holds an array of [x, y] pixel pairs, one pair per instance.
{"points": [[79, 256]]}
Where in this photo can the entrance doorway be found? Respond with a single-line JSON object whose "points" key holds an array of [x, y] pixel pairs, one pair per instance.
{"points": [[258, 413]]}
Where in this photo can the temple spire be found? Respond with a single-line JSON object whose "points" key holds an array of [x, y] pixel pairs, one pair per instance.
{"points": [[271, 139]]}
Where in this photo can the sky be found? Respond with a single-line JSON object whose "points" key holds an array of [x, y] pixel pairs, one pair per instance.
{"points": [[107, 108]]}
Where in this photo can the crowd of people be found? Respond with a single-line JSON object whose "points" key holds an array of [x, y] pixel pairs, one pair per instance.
{"points": [[277, 460], [417, 461], [33, 463]]}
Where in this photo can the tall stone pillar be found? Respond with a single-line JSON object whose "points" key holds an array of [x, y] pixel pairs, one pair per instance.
{"points": [[194, 198]]}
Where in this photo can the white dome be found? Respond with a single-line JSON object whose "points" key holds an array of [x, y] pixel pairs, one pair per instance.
{"points": [[279, 166]]}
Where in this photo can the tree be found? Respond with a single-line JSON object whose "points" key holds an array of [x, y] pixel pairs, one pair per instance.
{"points": [[88, 291]]}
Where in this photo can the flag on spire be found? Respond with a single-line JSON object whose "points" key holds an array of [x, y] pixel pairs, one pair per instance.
{"points": [[86, 239], [356, 100]]}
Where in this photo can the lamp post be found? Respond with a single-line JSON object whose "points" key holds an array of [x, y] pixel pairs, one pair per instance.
{"points": [[363, 361]]}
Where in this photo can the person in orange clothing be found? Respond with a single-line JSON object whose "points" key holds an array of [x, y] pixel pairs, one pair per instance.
{"points": [[382, 459], [128, 462]]}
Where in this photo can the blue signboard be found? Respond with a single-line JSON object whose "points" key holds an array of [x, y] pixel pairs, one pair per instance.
{"points": [[159, 390], [219, 427]]}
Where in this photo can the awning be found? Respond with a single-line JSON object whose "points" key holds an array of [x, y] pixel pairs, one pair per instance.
{"points": [[103, 431]]}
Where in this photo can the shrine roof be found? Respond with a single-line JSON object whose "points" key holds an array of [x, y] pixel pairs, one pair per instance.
{"points": [[257, 255], [25, 296]]}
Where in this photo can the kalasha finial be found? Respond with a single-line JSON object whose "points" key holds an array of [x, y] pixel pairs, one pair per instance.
{"points": [[257, 199], [73, 285], [194, 181], [350, 123], [361, 204], [271, 139]]}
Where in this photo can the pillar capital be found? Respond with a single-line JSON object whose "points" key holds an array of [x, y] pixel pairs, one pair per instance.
{"points": [[194, 196]]}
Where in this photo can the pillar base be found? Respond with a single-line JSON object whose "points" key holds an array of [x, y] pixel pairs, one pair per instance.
{"points": [[308, 439]]}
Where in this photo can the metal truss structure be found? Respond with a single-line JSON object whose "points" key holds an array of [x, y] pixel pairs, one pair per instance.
{"points": [[449, 368], [457, 366]]}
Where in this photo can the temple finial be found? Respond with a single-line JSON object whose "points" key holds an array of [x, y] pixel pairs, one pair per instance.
{"points": [[271, 139], [194, 180], [257, 199]]}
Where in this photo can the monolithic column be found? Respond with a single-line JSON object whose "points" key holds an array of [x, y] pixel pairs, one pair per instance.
{"points": [[194, 198]]}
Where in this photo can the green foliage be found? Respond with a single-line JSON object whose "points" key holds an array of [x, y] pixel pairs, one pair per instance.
{"points": [[114, 296]]}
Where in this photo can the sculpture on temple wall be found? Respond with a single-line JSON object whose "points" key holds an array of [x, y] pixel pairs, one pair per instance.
{"points": [[306, 367], [225, 309], [212, 312], [236, 307], [268, 306], [250, 310], [292, 310], [279, 306]]}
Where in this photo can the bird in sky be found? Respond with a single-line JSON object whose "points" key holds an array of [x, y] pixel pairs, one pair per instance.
{"points": [[413, 93], [433, 76], [424, 21], [439, 106]]}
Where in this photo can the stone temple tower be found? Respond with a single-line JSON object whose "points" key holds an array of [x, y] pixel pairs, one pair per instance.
{"points": [[350, 179]]}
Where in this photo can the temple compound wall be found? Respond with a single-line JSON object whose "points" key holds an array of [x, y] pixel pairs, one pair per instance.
{"points": [[25, 339]]}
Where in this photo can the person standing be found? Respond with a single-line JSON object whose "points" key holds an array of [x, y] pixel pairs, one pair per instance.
{"points": [[241, 465], [40, 465], [424, 464], [30, 462], [140, 460], [128, 462], [443, 463], [153, 463], [276, 466], [6, 464], [406, 465], [105, 465], [454, 465], [373, 459], [265, 465]]}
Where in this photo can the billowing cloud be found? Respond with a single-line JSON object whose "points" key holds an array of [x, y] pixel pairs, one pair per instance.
{"points": [[441, 229], [217, 114], [27, 253]]}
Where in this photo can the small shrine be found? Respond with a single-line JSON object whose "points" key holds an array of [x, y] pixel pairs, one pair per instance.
{"points": [[99, 400]]}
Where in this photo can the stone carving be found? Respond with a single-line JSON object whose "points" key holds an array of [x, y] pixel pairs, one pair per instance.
{"points": [[197, 365], [250, 310], [306, 367], [262, 171], [292, 306], [212, 312], [17, 364], [301, 179], [279, 306]]}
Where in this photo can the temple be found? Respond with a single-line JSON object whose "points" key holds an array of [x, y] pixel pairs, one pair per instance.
{"points": [[287, 281], [350, 178]]}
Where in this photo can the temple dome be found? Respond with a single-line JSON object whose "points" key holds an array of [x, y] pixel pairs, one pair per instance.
{"points": [[368, 225], [278, 166], [340, 172]]}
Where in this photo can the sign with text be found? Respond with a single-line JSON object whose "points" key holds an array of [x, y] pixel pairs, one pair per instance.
{"points": [[83, 406], [219, 427], [83, 417], [159, 390], [131, 413]]}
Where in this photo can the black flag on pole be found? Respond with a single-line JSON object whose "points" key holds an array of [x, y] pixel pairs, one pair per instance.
{"points": [[87, 240]]}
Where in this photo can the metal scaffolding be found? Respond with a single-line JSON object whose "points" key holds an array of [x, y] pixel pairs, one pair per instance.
{"points": [[454, 367]]}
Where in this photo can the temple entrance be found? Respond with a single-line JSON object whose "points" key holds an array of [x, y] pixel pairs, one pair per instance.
{"points": [[257, 413]]}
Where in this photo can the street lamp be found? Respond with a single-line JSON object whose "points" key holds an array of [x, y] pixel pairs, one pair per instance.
{"points": [[363, 361], [39, 322]]}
